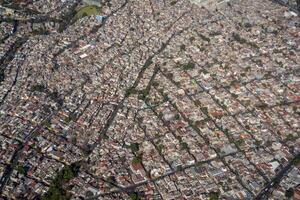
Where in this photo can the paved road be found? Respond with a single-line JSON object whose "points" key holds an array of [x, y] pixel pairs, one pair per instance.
{"points": [[276, 180], [14, 159]]}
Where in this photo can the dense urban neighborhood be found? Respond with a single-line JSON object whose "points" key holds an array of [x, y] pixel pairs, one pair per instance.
{"points": [[152, 99]]}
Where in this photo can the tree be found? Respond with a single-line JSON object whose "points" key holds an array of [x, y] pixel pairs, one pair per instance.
{"points": [[189, 65], [84, 14], [2, 75], [130, 91], [204, 110], [173, 3], [68, 174], [182, 47], [56, 190], [143, 94], [89, 194], [242, 40], [137, 160], [184, 145], [20, 169], [112, 179], [134, 147], [239, 142], [38, 88], [213, 195], [136, 195], [73, 140], [296, 160], [238, 38], [290, 137], [289, 193], [160, 148]]}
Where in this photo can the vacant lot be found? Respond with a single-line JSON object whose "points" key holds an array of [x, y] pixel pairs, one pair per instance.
{"points": [[87, 11]]}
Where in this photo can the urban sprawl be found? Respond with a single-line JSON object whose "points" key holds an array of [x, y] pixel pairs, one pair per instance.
{"points": [[152, 99]]}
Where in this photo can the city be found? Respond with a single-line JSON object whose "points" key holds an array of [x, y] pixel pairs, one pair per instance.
{"points": [[155, 99]]}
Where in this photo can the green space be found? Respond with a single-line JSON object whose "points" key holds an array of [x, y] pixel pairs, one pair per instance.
{"points": [[136, 196], [184, 145], [137, 159], [20, 169], [143, 94], [38, 88], [296, 160], [289, 193], [57, 189], [134, 147], [87, 11], [187, 66], [213, 195]]}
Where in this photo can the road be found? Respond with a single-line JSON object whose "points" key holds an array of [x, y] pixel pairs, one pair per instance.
{"points": [[276, 180], [14, 159]]}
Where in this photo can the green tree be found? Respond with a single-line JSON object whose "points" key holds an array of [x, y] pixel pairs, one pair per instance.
{"points": [[204, 110], [38, 88], [136, 195], [173, 3], [213, 195], [188, 66], [143, 94], [182, 47], [289, 193], [238, 38], [2, 75], [84, 15], [68, 174], [296, 161], [137, 159], [184, 145], [239, 142], [112, 179], [135, 147], [56, 190], [20, 169]]}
